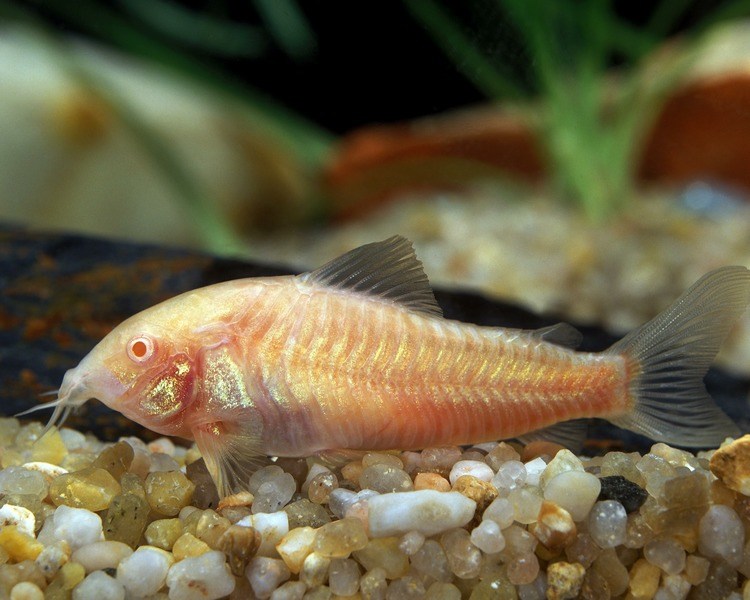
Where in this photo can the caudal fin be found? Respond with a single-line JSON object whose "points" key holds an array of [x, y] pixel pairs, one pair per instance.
{"points": [[669, 356]]}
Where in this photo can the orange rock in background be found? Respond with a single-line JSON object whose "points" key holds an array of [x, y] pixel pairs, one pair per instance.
{"points": [[703, 132], [441, 152]]}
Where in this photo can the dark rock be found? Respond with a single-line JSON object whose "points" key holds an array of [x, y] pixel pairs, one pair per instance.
{"points": [[627, 493]]}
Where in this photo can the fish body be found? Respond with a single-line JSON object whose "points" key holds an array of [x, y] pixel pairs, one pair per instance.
{"points": [[357, 356]]}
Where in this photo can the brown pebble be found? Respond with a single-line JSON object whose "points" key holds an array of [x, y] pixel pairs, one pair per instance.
{"points": [[205, 494], [554, 528], [731, 464], [240, 544], [644, 580], [482, 492], [243, 498], [594, 587], [564, 580], [116, 459]]}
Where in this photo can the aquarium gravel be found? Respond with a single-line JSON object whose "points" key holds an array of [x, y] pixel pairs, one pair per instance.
{"points": [[84, 519]]}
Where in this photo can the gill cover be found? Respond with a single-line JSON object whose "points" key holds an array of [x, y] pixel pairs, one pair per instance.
{"points": [[169, 389]]}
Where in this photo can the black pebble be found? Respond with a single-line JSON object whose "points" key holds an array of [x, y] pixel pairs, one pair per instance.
{"points": [[627, 493]]}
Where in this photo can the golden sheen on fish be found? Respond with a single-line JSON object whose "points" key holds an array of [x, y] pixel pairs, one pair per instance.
{"points": [[357, 356]]}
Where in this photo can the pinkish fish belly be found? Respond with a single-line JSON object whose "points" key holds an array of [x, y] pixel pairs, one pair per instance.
{"points": [[331, 370]]}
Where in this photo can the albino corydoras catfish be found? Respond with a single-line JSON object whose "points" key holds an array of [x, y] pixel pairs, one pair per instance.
{"points": [[357, 356]]}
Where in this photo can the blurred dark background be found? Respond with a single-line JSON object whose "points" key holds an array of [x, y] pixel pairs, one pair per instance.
{"points": [[352, 63]]}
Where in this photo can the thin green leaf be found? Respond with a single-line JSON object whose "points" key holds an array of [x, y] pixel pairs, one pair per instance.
{"points": [[198, 30], [666, 15], [289, 27], [452, 41]]}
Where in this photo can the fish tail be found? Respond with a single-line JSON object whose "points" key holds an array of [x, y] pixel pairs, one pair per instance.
{"points": [[669, 356]]}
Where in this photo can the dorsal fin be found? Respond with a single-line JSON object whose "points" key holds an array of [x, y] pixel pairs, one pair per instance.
{"points": [[561, 334], [388, 270]]}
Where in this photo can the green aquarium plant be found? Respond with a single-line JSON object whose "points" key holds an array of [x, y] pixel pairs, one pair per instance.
{"points": [[592, 118]]}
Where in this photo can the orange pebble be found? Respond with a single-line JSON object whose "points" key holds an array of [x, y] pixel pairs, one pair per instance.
{"points": [[431, 481]]}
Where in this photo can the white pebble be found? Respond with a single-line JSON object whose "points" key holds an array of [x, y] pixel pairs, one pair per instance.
{"points": [[563, 461], [673, 587], [607, 523], [667, 554], [162, 445], [500, 511], [411, 542], [475, 468], [426, 511], [77, 526], [17, 480], [101, 555], [721, 534], [272, 488], [343, 577], [526, 501], [143, 573], [49, 470], [265, 575], [72, 439], [204, 577], [20, 516], [340, 500], [487, 537], [510, 475], [99, 586], [271, 527], [575, 491], [534, 470], [25, 590]]}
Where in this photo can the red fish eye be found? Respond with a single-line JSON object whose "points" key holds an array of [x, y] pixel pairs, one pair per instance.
{"points": [[140, 348]]}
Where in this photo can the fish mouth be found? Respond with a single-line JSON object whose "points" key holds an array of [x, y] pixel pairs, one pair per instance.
{"points": [[79, 385]]}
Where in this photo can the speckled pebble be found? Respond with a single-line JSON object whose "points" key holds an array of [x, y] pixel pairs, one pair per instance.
{"points": [[19, 516], [564, 580]]}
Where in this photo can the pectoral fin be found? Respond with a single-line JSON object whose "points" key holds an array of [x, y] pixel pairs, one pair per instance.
{"points": [[232, 453]]}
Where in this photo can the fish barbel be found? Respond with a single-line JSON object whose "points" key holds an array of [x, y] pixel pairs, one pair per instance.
{"points": [[357, 356]]}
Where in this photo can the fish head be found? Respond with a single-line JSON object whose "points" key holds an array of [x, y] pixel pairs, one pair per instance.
{"points": [[142, 369]]}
